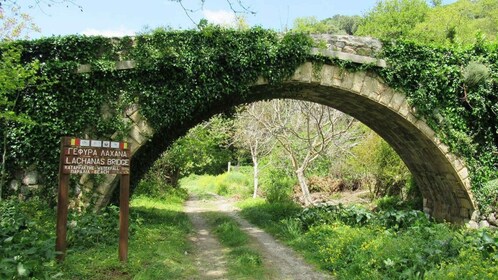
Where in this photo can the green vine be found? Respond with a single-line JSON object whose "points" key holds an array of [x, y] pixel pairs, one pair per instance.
{"points": [[463, 112], [179, 74]]}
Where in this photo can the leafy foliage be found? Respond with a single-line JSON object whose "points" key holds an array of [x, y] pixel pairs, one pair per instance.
{"points": [[200, 73], [204, 78], [338, 24], [393, 18], [455, 23], [211, 141], [227, 184], [464, 117], [355, 243], [26, 240]]}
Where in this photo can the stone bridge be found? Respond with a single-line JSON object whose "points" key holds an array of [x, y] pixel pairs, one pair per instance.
{"points": [[442, 177]]}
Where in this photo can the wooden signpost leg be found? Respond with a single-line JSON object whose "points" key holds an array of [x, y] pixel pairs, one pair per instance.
{"points": [[124, 200], [62, 205]]}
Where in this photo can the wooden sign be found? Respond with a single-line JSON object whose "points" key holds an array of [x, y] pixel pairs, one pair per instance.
{"points": [[86, 156], [82, 156]]}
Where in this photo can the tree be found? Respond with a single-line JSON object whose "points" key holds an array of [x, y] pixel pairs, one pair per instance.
{"points": [[314, 26], [337, 24], [346, 24], [205, 149], [458, 22], [14, 78], [306, 131], [250, 134], [15, 24], [374, 160], [393, 18]]}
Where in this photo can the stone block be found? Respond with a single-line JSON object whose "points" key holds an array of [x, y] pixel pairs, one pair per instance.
{"points": [[457, 164], [472, 225], [347, 80], [411, 118], [404, 109], [464, 173], [135, 117], [131, 109], [422, 125], [303, 73], [386, 96], [348, 49], [396, 101], [137, 135], [358, 79], [261, 81], [492, 219], [30, 178], [145, 129], [125, 64], [337, 75], [327, 75], [484, 224], [370, 88], [14, 185]]}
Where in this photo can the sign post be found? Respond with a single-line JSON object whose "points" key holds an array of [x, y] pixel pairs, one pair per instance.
{"points": [[62, 203], [124, 203], [84, 156]]}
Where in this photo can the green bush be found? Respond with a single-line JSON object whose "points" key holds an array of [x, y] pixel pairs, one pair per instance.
{"points": [[412, 201], [27, 240], [277, 185], [354, 243], [380, 166], [89, 228], [157, 188], [233, 182], [261, 212]]}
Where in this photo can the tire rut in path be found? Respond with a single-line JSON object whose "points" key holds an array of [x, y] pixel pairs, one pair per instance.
{"points": [[283, 260], [208, 252]]}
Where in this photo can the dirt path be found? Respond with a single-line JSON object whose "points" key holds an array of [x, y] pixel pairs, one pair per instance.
{"points": [[208, 252], [283, 260]]}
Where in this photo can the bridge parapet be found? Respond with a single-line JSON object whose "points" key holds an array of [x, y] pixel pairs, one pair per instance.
{"points": [[363, 50], [363, 46]]}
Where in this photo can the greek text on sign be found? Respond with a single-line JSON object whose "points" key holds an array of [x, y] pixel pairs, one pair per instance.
{"points": [[85, 156]]}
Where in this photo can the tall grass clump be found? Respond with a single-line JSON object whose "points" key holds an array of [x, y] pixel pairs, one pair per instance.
{"points": [[226, 184], [244, 262]]}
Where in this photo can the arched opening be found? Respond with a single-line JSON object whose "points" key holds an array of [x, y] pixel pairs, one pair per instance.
{"points": [[441, 176]]}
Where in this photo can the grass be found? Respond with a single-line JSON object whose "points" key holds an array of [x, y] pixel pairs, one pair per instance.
{"points": [[227, 184], [157, 247], [418, 249], [244, 262]]}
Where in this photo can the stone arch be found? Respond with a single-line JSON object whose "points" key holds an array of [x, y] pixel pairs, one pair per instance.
{"points": [[441, 176]]}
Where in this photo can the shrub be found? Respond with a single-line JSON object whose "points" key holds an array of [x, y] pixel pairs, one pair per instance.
{"points": [[157, 188], [233, 183], [26, 240], [277, 185]]}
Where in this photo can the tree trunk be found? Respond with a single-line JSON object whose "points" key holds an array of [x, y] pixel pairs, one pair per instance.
{"points": [[304, 187], [3, 174], [255, 176]]}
